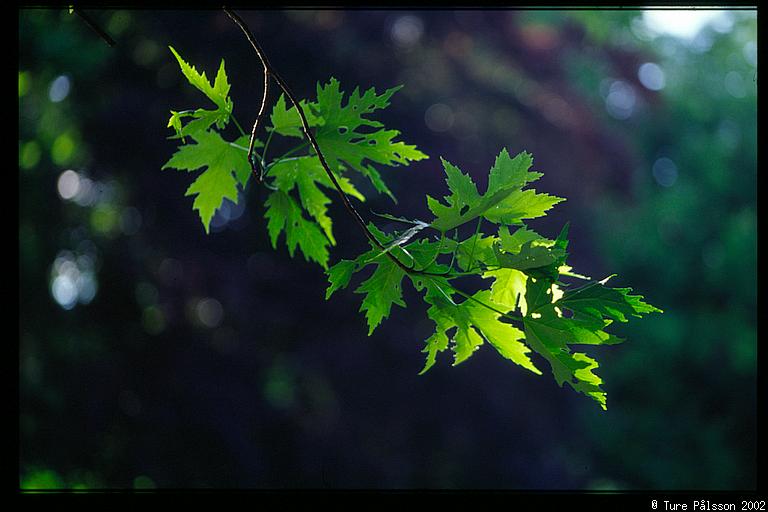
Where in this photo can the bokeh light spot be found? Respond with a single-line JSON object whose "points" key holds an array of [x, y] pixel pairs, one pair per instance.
{"points": [[621, 99], [104, 219], [86, 193], [279, 387], [86, 287], [73, 279], [651, 76], [153, 320], [64, 291], [750, 53], [439, 117], [68, 184], [407, 30], [684, 24], [30, 154], [59, 88], [147, 52], [664, 172], [229, 211], [209, 312], [119, 22], [63, 148]]}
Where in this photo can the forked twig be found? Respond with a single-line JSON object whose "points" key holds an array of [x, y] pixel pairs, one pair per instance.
{"points": [[270, 71], [267, 71]]}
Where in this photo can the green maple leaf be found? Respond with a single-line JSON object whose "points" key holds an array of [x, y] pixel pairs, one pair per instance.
{"points": [[218, 92], [284, 214], [513, 243], [306, 173], [597, 300], [503, 202], [382, 290], [505, 338], [462, 204], [175, 121], [520, 205], [473, 252], [424, 253], [338, 131], [449, 317], [549, 336], [531, 255], [339, 276], [226, 166], [508, 288], [594, 307], [539, 258], [286, 121], [470, 323], [342, 142]]}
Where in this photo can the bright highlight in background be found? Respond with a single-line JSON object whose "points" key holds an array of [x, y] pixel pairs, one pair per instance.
{"points": [[680, 23], [73, 279], [651, 76]]}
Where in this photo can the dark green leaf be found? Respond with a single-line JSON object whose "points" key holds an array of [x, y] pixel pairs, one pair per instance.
{"points": [[284, 214]]}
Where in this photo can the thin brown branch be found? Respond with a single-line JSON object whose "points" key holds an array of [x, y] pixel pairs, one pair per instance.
{"points": [[256, 123], [270, 71], [94, 26], [267, 71]]}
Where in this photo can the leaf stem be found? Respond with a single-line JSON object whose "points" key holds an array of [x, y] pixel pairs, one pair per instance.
{"points": [[285, 155], [234, 119]]}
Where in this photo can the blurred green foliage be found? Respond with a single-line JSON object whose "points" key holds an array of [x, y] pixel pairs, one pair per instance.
{"points": [[688, 231]]}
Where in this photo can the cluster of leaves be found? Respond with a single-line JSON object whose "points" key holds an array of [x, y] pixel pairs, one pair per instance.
{"points": [[527, 308], [350, 139]]}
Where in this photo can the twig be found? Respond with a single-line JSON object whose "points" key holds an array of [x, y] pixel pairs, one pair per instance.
{"points": [[270, 71], [94, 26], [267, 71]]}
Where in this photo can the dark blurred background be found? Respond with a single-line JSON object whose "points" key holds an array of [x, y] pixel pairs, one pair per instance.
{"points": [[152, 355]]}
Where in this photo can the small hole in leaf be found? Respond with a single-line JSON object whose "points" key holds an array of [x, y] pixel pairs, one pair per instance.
{"points": [[343, 129], [397, 155], [371, 142], [464, 209]]}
